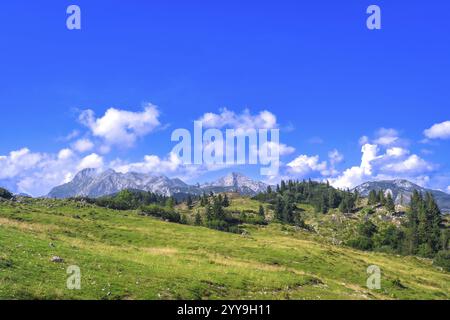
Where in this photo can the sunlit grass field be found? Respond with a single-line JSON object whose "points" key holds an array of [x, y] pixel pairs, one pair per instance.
{"points": [[123, 255]]}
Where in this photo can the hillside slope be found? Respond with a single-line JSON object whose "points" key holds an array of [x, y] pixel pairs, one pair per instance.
{"points": [[402, 190], [126, 256]]}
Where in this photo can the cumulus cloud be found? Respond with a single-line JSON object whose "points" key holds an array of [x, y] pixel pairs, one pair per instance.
{"points": [[83, 145], [397, 152], [412, 165], [36, 173], [364, 140], [226, 118], [304, 165], [121, 127], [438, 131], [92, 161], [17, 162], [386, 137], [150, 164], [448, 189], [393, 163], [335, 156], [65, 154]]}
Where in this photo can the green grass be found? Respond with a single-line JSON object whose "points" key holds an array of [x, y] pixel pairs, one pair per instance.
{"points": [[126, 256]]}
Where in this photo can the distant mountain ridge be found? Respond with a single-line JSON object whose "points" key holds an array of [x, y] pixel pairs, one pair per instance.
{"points": [[92, 183], [403, 189]]}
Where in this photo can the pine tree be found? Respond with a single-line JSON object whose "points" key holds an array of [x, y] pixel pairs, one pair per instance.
{"points": [[381, 198], [412, 224], [198, 219], [170, 202], [390, 205], [209, 213], [434, 221], [279, 208], [226, 201], [283, 186], [217, 208], [261, 212], [373, 198], [189, 202]]}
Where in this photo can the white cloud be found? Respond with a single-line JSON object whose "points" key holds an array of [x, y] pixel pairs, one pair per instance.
{"points": [[438, 131], [65, 154], [243, 121], [93, 161], [412, 165], [36, 173], [151, 164], [448, 189], [121, 127], [364, 140], [335, 157], [386, 137], [356, 175], [83, 145], [17, 162], [304, 165], [394, 163], [397, 152]]}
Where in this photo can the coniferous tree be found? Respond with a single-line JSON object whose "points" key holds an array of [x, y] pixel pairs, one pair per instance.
{"points": [[209, 212], [198, 219], [434, 221], [217, 208], [189, 201], [170, 203], [261, 212], [279, 208], [390, 205], [373, 198], [412, 225], [381, 198], [226, 201], [283, 186]]}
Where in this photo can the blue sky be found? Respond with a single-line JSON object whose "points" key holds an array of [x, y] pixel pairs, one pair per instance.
{"points": [[327, 79]]}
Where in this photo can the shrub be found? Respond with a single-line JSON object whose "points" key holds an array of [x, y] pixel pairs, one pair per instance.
{"points": [[361, 243], [5, 194], [161, 212], [442, 259]]}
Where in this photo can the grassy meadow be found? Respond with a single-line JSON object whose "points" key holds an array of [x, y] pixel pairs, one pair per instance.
{"points": [[123, 255]]}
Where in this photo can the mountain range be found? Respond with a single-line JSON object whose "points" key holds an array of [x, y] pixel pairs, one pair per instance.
{"points": [[401, 191], [94, 184], [91, 183]]}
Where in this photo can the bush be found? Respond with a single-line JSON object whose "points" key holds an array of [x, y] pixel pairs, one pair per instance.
{"points": [[161, 212], [251, 219], [222, 225], [361, 243], [5, 194], [442, 259]]}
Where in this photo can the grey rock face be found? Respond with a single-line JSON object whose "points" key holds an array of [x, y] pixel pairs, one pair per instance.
{"points": [[94, 184]]}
